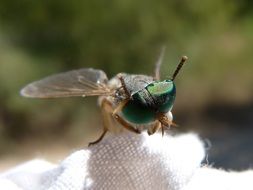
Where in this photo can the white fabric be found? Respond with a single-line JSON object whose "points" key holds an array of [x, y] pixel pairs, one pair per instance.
{"points": [[129, 161]]}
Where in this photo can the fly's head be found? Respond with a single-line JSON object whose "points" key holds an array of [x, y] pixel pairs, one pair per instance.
{"points": [[160, 95]]}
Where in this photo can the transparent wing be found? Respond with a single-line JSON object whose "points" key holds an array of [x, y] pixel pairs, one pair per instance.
{"points": [[82, 82]]}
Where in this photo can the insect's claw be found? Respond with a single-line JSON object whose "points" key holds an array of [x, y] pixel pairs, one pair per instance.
{"points": [[162, 130], [99, 139], [174, 124], [165, 121]]}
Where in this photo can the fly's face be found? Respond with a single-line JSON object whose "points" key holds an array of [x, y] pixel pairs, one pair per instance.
{"points": [[147, 104], [140, 99]]}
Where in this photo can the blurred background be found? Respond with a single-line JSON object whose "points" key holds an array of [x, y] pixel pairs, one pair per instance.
{"points": [[214, 89]]}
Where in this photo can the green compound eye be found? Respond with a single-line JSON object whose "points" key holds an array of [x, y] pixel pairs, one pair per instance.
{"points": [[160, 88], [137, 113], [163, 93]]}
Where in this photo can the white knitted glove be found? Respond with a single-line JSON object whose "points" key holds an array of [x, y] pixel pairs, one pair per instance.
{"points": [[128, 161]]}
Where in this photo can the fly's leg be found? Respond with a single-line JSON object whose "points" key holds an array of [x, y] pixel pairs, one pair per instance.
{"points": [[119, 107], [154, 128], [165, 122], [123, 84], [125, 124], [115, 114], [106, 108], [100, 138], [163, 126]]}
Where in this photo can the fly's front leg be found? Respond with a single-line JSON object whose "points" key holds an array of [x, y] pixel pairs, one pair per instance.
{"points": [[106, 109], [123, 85], [115, 114], [118, 118], [119, 107], [100, 138], [125, 124], [165, 121], [154, 128]]}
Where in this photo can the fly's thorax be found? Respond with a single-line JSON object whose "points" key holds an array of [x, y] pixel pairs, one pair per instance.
{"points": [[119, 93], [136, 83], [133, 84], [114, 83]]}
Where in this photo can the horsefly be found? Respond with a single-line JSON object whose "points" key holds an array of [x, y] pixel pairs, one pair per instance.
{"points": [[137, 102]]}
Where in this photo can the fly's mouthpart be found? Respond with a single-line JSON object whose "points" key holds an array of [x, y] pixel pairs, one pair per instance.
{"points": [[165, 121]]}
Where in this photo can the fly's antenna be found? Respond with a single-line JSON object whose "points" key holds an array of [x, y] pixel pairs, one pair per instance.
{"points": [[183, 59], [159, 63]]}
